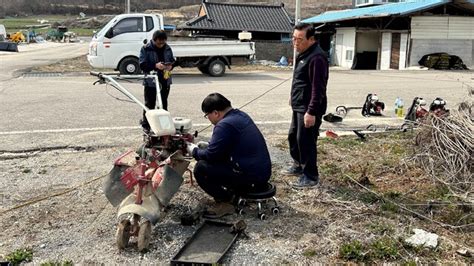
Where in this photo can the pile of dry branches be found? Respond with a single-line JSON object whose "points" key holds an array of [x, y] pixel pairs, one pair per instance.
{"points": [[445, 150]]}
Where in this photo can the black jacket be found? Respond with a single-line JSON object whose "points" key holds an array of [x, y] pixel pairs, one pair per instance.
{"points": [[310, 77], [149, 58]]}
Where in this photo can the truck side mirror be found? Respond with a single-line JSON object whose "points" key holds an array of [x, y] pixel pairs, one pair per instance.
{"points": [[110, 33]]}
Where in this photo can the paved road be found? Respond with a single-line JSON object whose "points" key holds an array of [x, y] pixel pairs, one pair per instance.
{"points": [[37, 54], [69, 110]]}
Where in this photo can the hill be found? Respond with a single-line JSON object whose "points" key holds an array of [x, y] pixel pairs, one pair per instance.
{"points": [[97, 7]]}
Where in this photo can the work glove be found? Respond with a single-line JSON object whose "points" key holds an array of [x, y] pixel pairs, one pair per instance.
{"points": [[202, 144], [190, 147]]}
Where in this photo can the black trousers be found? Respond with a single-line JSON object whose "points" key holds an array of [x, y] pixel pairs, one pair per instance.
{"points": [[303, 144], [221, 181], [150, 98]]}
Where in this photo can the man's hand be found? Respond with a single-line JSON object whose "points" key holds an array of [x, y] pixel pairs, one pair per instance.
{"points": [[309, 120], [160, 66], [202, 144], [190, 147]]}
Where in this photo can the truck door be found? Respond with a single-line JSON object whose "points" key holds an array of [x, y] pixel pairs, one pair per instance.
{"points": [[124, 39]]}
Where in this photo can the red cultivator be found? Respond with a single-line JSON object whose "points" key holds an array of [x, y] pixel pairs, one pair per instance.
{"points": [[143, 182]]}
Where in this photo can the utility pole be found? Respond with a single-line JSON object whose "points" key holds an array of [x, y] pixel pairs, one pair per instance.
{"points": [[297, 20], [127, 6]]}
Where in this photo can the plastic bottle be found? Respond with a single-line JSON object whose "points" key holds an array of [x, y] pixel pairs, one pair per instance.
{"points": [[397, 103], [400, 108]]}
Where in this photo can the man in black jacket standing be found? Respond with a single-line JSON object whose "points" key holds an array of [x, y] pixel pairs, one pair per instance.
{"points": [[309, 103], [156, 56]]}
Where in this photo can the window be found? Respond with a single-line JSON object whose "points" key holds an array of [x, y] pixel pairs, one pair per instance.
{"points": [[149, 23], [128, 25], [349, 54]]}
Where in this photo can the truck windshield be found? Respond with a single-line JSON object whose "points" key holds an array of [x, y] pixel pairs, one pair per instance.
{"points": [[104, 29]]}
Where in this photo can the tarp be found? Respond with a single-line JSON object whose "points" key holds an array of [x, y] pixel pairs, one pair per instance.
{"points": [[8, 47]]}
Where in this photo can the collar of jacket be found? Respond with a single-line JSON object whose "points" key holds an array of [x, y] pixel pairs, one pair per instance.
{"points": [[151, 46], [307, 51]]}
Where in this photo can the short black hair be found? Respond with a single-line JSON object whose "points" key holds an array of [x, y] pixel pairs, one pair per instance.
{"points": [[215, 102], [310, 30], [160, 35]]}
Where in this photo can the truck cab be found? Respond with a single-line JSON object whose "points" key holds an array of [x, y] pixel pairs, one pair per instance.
{"points": [[117, 44]]}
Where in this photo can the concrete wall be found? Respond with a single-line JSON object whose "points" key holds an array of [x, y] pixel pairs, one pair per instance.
{"points": [[403, 50], [386, 50], [462, 48], [367, 41], [273, 50]]}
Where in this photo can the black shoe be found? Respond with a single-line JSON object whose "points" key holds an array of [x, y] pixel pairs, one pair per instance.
{"points": [[306, 182], [293, 170]]}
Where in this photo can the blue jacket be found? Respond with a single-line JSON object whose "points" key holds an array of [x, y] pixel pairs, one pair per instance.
{"points": [[236, 139], [149, 58]]}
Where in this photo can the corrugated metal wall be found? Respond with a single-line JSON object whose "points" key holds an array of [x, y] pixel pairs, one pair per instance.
{"points": [[462, 48], [448, 34], [442, 27]]}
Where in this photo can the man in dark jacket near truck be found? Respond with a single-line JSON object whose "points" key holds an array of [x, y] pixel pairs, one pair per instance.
{"points": [[237, 157], [309, 103], [156, 56]]}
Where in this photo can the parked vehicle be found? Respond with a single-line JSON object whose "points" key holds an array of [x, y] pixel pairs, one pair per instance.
{"points": [[117, 45], [3, 33]]}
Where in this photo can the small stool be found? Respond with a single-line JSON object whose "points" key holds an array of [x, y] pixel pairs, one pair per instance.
{"points": [[260, 195]]}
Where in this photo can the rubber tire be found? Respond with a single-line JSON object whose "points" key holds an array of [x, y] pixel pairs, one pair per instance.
{"points": [[216, 68], [144, 236], [123, 234], [129, 66], [275, 210], [341, 111]]}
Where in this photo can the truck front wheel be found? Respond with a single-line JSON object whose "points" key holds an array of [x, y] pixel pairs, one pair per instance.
{"points": [[129, 66], [216, 68]]}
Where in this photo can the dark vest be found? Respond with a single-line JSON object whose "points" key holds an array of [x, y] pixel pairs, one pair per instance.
{"points": [[301, 86]]}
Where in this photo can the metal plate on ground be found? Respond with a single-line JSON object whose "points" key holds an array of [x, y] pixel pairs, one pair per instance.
{"points": [[208, 245]]}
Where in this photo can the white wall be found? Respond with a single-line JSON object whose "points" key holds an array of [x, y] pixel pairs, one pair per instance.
{"points": [[403, 51], [386, 50], [346, 51], [436, 34]]}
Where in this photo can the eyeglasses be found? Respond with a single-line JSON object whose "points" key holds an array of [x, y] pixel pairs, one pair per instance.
{"points": [[206, 114]]}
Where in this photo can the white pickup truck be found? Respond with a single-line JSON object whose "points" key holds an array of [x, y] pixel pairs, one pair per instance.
{"points": [[117, 45]]}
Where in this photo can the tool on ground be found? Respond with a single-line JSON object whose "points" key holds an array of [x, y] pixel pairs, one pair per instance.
{"points": [[209, 243], [416, 110], [142, 182], [438, 107], [372, 105]]}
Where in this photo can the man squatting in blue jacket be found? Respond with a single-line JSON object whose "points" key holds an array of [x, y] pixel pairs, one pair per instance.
{"points": [[236, 159], [309, 103]]}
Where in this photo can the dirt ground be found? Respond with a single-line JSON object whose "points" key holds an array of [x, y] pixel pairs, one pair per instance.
{"points": [[372, 195]]}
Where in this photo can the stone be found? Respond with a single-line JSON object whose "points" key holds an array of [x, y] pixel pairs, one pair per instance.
{"points": [[423, 238]]}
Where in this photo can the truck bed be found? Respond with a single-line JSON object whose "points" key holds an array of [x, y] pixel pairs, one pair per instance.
{"points": [[211, 48]]}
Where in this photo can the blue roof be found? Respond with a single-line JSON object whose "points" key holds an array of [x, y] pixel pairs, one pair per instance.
{"points": [[392, 9]]}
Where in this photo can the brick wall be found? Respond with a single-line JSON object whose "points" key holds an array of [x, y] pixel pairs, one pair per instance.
{"points": [[273, 50]]}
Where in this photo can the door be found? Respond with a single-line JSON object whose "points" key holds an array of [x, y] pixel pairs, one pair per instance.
{"points": [[395, 52], [125, 38]]}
